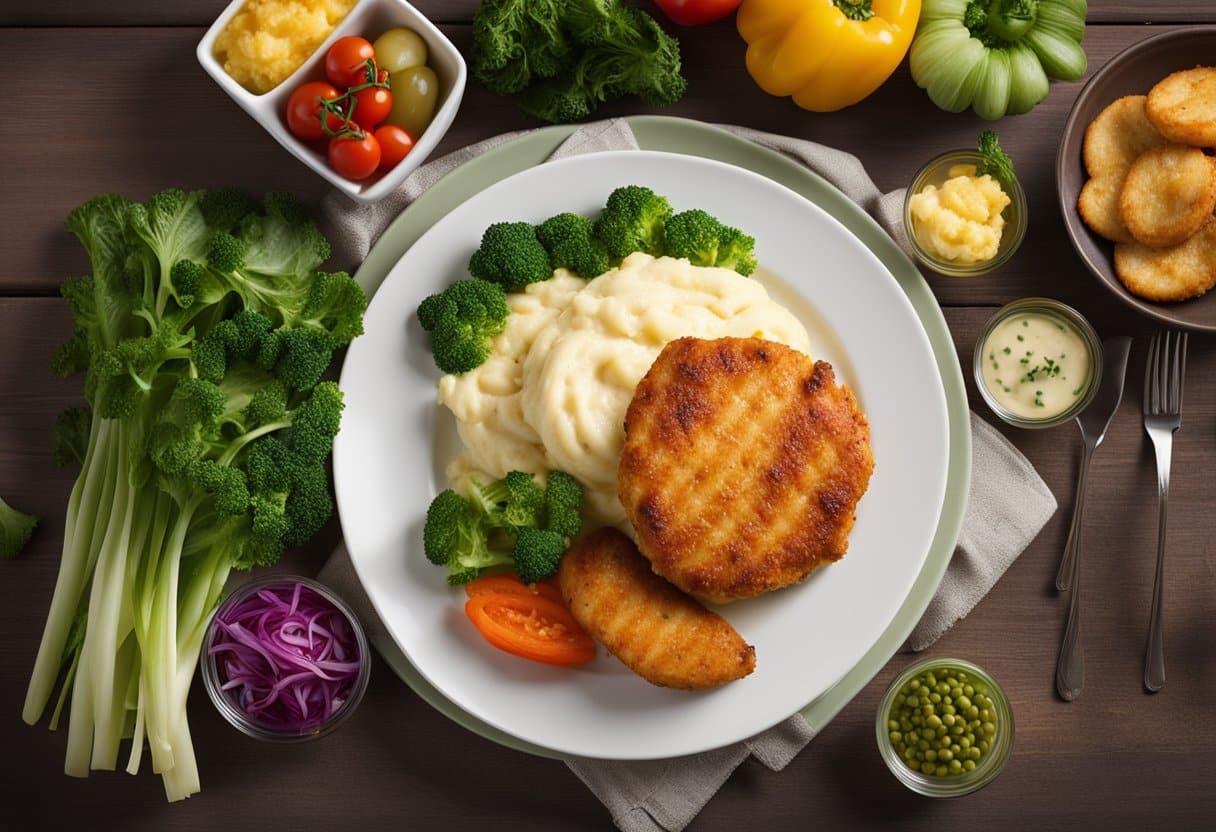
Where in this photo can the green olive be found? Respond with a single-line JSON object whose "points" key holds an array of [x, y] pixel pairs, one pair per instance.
{"points": [[415, 91], [399, 49]]}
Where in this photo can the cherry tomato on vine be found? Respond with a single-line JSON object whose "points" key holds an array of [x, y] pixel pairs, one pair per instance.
{"points": [[355, 156], [346, 61], [697, 12], [372, 106], [395, 145], [304, 110]]}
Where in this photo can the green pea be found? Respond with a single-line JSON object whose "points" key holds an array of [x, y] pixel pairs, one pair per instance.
{"points": [[943, 688], [934, 722], [930, 679], [927, 710], [931, 755], [948, 720], [968, 690], [935, 698], [963, 702], [974, 753], [956, 767], [927, 768], [968, 765], [964, 743], [942, 771], [896, 737], [945, 754]]}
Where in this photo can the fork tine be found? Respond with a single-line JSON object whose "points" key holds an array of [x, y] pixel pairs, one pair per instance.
{"points": [[1150, 374], [1179, 373]]}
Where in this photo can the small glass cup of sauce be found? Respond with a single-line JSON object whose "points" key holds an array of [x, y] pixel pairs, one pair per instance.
{"points": [[936, 173], [1037, 363]]}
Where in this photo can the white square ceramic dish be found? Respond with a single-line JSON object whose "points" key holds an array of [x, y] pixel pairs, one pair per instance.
{"points": [[369, 18]]}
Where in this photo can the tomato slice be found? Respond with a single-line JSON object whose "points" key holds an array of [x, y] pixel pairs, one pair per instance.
{"points": [[533, 628], [511, 585]]}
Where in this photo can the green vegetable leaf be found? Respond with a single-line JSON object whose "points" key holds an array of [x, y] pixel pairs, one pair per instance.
{"points": [[997, 163]]}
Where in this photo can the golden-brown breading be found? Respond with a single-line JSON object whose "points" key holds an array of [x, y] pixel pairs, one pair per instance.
{"points": [[1182, 106], [1118, 134], [1168, 194], [1099, 206], [657, 631], [742, 466], [1170, 274]]}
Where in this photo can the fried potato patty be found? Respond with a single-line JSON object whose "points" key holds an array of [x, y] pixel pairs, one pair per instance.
{"points": [[1182, 106], [1168, 194], [742, 466], [1118, 134], [657, 631], [1098, 204], [1170, 274]]}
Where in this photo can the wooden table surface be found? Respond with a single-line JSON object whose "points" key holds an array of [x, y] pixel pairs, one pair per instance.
{"points": [[134, 113]]}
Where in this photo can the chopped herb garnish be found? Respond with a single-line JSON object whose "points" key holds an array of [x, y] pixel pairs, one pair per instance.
{"points": [[1020, 338], [1007, 350]]}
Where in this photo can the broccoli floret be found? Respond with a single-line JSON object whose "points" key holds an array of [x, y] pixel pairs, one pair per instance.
{"points": [[462, 320], [15, 530], [563, 504], [568, 239], [632, 220], [508, 520], [510, 255], [224, 208], [537, 554], [70, 440], [456, 535], [996, 161], [705, 241]]}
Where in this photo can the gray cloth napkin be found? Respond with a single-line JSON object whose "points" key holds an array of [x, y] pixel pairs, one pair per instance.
{"points": [[1008, 502]]}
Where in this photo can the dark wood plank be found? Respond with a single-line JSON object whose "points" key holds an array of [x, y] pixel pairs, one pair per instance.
{"points": [[202, 12], [121, 138]]}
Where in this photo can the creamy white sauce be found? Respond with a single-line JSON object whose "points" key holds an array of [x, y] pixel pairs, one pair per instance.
{"points": [[1036, 366]]}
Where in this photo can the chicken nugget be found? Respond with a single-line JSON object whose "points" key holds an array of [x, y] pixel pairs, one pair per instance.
{"points": [[1170, 274], [1098, 205], [1182, 106], [1168, 194], [1118, 134], [657, 631]]}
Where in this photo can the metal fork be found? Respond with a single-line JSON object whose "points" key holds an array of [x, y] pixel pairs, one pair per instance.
{"points": [[1164, 376]]}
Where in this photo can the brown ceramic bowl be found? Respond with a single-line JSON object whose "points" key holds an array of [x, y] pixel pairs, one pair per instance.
{"points": [[1133, 71]]}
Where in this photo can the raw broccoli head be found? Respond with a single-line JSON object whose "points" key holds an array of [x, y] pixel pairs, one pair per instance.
{"points": [[632, 220], [537, 554], [15, 530], [516, 42], [510, 255], [568, 239], [705, 241], [511, 502], [462, 321], [456, 535]]}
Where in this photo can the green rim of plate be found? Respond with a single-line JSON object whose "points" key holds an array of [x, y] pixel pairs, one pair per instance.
{"points": [[692, 138]]}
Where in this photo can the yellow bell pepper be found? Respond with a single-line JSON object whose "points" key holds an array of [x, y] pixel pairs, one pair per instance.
{"points": [[827, 54]]}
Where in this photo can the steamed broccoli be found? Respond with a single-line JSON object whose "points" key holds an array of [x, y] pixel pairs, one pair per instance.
{"points": [[537, 554], [506, 521], [568, 239], [462, 320], [15, 530], [632, 220], [510, 255], [707, 242]]}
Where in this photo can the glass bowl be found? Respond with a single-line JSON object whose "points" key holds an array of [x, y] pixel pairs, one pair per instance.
{"points": [[227, 701], [1000, 743], [935, 173], [1062, 316]]}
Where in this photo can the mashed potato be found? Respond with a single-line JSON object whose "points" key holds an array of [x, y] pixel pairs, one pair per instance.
{"points": [[961, 221], [554, 392], [268, 39]]}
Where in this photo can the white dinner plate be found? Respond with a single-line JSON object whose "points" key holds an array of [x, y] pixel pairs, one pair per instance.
{"points": [[395, 442]]}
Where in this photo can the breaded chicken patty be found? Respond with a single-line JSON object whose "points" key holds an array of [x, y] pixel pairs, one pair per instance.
{"points": [[657, 631], [743, 464]]}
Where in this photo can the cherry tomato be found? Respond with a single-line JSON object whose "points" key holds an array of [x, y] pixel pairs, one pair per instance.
{"points": [[697, 12], [355, 156], [395, 145], [372, 105], [533, 628], [346, 61], [304, 110]]}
